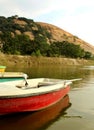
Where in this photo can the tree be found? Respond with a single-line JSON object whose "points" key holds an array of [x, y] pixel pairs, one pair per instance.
{"points": [[88, 55]]}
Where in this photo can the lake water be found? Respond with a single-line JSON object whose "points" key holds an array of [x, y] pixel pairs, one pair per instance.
{"points": [[74, 112]]}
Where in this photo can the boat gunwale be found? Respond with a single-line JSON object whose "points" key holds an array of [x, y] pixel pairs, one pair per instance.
{"points": [[32, 94]]}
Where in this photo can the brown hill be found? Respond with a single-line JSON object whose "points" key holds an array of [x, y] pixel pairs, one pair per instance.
{"points": [[59, 34]]}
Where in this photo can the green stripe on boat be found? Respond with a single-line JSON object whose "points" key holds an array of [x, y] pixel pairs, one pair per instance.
{"points": [[2, 67]]}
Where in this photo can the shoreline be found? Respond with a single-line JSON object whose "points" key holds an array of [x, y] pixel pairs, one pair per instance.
{"points": [[11, 60]]}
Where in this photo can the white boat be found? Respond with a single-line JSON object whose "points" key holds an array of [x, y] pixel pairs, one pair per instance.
{"points": [[9, 76]]}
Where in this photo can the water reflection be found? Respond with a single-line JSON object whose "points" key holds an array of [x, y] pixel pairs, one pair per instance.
{"points": [[88, 67], [37, 120], [51, 71], [61, 72]]}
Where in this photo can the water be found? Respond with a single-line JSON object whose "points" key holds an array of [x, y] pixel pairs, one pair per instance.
{"points": [[74, 112]]}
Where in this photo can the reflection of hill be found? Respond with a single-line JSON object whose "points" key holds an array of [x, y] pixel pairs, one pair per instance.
{"points": [[35, 120]]}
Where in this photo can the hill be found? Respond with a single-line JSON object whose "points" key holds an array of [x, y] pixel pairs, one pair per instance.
{"points": [[19, 35], [59, 34]]}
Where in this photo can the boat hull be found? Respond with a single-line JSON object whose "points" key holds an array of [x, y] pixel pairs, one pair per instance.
{"points": [[39, 120], [6, 79], [31, 103]]}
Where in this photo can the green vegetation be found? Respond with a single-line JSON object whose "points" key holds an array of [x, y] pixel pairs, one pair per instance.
{"points": [[13, 43], [68, 50]]}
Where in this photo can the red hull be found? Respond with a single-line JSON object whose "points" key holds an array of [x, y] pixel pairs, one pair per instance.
{"points": [[36, 120], [31, 103]]}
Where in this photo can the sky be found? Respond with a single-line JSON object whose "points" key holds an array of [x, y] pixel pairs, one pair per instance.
{"points": [[73, 16]]}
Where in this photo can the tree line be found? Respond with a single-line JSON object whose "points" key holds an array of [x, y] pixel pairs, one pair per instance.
{"points": [[21, 44]]}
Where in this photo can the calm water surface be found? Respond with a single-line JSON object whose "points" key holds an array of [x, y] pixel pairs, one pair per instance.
{"points": [[74, 112]]}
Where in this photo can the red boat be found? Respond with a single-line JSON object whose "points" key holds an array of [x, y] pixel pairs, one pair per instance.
{"points": [[31, 94], [36, 120]]}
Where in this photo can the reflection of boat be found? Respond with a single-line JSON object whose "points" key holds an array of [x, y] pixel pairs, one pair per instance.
{"points": [[9, 76], [37, 94], [35, 120]]}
